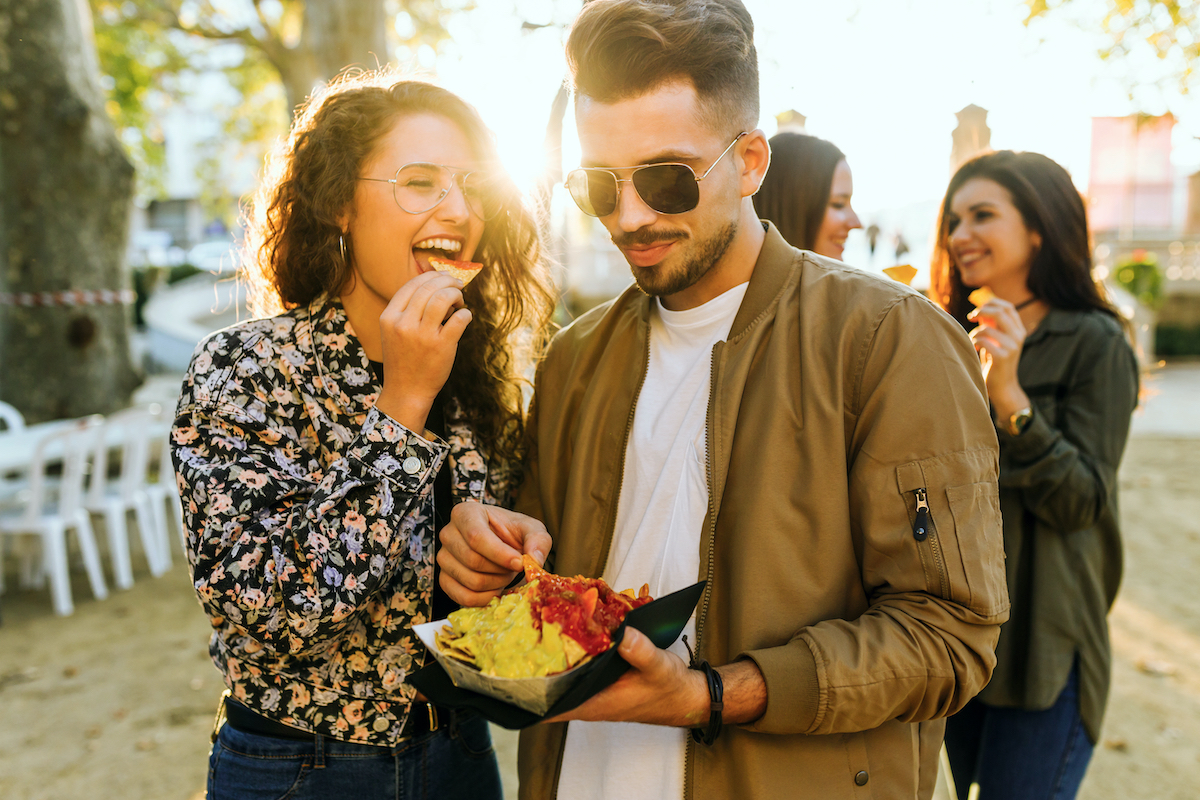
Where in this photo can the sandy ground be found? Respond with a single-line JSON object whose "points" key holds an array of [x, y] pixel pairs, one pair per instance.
{"points": [[117, 700]]}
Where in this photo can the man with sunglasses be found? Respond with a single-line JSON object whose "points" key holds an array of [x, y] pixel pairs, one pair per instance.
{"points": [[812, 441]]}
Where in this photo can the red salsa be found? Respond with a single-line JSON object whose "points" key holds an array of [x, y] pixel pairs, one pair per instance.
{"points": [[586, 608]]}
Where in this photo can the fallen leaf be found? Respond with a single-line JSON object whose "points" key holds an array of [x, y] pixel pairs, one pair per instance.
{"points": [[70, 672], [1120, 745], [1156, 667]]}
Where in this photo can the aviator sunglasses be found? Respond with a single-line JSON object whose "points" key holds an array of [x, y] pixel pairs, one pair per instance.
{"points": [[666, 188]]}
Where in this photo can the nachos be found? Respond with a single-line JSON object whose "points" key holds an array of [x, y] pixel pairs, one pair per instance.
{"points": [[546, 626]]}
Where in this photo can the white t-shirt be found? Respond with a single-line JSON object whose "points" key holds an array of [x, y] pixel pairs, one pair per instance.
{"points": [[660, 513]]}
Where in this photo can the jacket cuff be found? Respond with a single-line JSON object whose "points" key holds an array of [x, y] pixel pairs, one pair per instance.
{"points": [[793, 688], [396, 454], [1034, 441]]}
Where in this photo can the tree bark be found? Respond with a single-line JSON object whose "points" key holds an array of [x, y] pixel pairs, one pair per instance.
{"points": [[336, 34], [65, 192]]}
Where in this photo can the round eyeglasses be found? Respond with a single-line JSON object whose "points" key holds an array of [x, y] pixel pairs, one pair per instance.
{"points": [[419, 186], [666, 188]]}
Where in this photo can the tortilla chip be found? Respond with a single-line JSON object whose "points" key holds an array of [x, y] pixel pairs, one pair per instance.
{"points": [[980, 296], [574, 652], [465, 271], [904, 273]]}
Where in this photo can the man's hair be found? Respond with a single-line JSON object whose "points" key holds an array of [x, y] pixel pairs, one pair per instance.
{"points": [[622, 49]]}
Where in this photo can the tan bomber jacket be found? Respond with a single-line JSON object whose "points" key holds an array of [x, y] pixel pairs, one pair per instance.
{"points": [[841, 403]]}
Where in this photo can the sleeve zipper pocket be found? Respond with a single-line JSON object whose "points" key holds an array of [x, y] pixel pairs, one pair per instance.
{"points": [[921, 525]]}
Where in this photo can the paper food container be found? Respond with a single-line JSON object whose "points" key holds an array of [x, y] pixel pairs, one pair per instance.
{"points": [[531, 694], [518, 702]]}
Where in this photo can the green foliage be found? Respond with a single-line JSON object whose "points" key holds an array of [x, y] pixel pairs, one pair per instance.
{"points": [[1170, 29], [146, 46], [1138, 274], [138, 60]]}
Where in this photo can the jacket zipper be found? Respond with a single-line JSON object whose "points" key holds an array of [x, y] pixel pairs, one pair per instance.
{"points": [[921, 529], [921, 526], [709, 554], [612, 515]]}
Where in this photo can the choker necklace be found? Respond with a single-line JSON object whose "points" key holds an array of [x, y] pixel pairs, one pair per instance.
{"points": [[1024, 303]]}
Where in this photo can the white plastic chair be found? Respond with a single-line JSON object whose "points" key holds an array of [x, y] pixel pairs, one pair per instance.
{"points": [[49, 514], [163, 493], [130, 429], [12, 419]]}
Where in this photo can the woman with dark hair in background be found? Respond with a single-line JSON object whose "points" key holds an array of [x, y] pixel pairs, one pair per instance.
{"points": [[320, 450], [806, 193], [1063, 381]]}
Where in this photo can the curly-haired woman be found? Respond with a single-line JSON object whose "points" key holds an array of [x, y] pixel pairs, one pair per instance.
{"points": [[320, 449]]}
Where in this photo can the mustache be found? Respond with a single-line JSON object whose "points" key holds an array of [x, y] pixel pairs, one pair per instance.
{"points": [[645, 236]]}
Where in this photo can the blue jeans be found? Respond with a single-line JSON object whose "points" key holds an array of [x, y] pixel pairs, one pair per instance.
{"points": [[1022, 755], [452, 763]]}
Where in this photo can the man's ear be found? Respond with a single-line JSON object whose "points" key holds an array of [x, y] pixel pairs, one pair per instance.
{"points": [[755, 154]]}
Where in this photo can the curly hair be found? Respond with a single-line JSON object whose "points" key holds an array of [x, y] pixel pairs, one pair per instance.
{"points": [[296, 254]]}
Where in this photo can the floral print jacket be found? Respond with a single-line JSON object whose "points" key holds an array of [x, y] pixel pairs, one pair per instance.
{"points": [[309, 521]]}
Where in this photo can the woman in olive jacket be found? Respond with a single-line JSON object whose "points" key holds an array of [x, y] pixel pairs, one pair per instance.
{"points": [[1063, 382]]}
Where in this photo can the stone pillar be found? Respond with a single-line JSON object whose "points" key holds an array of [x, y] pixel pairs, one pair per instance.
{"points": [[971, 137], [791, 121], [1191, 223]]}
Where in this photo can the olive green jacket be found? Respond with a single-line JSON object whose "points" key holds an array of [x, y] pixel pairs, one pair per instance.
{"points": [[837, 396], [1058, 492]]}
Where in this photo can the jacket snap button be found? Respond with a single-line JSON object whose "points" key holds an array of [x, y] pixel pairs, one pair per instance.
{"points": [[861, 778], [412, 465]]}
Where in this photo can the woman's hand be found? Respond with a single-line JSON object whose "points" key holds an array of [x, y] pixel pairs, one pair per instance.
{"points": [[420, 330], [482, 548], [999, 339]]}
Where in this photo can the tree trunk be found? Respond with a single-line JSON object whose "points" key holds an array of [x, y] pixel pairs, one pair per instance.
{"points": [[336, 34], [65, 193]]}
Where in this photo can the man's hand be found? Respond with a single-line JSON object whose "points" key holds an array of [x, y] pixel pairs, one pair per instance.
{"points": [[482, 548], [659, 689]]}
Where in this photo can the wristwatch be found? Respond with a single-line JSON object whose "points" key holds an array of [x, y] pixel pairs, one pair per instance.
{"points": [[1019, 421]]}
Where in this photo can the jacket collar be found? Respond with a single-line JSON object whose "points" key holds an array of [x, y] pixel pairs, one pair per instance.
{"points": [[771, 273], [1057, 321], [343, 369]]}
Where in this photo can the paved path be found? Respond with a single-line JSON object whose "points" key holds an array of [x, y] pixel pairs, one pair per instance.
{"points": [[1170, 405]]}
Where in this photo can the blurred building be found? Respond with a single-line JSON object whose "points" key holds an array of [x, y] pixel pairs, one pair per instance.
{"points": [[1143, 207], [167, 225], [1131, 184]]}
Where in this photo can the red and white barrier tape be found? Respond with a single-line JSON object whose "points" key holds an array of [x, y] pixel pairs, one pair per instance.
{"points": [[71, 297]]}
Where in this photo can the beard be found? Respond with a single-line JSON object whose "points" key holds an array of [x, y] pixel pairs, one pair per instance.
{"points": [[697, 261]]}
